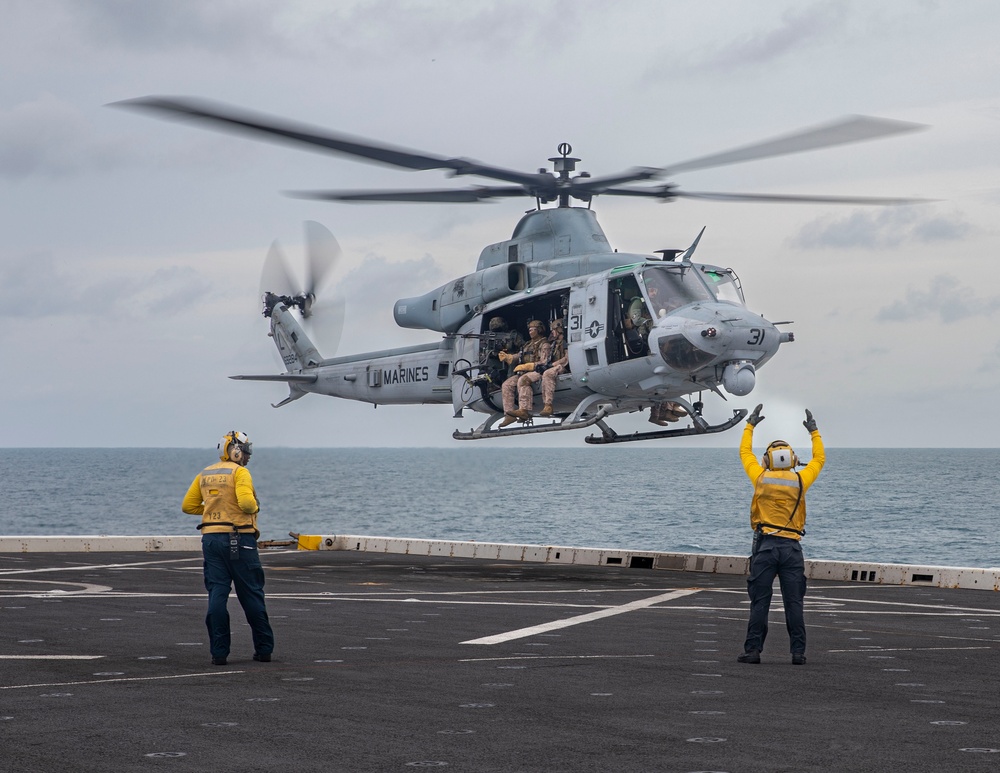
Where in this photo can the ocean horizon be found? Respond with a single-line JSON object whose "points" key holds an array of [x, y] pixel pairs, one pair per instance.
{"points": [[927, 506]]}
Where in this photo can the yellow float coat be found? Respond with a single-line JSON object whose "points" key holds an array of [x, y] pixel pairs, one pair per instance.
{"points": [[224, 496], [776, 492]]}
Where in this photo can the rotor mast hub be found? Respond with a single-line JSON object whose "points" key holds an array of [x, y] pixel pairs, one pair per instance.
{"points": [[563, 165]]}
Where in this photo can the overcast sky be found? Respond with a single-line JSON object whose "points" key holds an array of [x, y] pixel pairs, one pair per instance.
{"points": [[131, 247]]}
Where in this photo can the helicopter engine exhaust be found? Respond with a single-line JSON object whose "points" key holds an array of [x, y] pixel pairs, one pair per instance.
{"points": [[739, 378]]}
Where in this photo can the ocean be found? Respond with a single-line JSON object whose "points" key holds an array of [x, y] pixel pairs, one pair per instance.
{"points": [[914, 506]]}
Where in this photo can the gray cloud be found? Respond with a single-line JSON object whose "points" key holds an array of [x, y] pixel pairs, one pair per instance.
{"points": [[797, 29], [881, 229], [49, 138], [376, 29], [944, 298], [991, 361], [161, 25], [382, 282], [51, 289]]}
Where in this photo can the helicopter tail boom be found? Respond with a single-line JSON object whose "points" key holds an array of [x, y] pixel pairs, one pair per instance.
{"points": [[296, 349]]}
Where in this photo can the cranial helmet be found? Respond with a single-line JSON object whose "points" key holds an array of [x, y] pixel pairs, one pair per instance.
{"points": [[780, 456], [235, 447]]}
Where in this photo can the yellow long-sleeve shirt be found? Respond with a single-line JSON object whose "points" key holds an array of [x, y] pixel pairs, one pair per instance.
{"points": [[777, 507]]}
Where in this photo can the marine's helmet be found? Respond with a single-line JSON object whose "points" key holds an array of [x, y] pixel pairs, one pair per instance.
{"points": [[557, 324], [780, 456], [498, 325], [235, 447], [538, 324], [635, 311]]}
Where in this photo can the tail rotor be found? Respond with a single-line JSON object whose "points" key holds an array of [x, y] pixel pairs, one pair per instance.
{"points": [[322, 318]]}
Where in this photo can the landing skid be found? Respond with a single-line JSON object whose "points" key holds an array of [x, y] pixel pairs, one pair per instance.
{"points": [[700, 427], [485, 430]]}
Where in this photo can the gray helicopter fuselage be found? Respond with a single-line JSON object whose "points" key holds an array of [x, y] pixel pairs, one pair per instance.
{"points": [[694, 340], [639, 329]]}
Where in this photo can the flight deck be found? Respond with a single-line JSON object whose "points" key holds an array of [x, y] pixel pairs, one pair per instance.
{"points": [[392, 662]]}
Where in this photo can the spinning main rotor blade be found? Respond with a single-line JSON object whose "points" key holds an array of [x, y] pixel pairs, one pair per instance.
{"points": [[598, 185], [670, 192], [542, 185], [847, 130], [279, 130], [800, 198], [442, 195]]}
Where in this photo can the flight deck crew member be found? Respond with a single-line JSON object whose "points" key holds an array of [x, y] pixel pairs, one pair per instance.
{"points": [[519, 386], [778, 518], [224, 496]]}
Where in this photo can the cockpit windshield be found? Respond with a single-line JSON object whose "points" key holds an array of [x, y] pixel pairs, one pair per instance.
{"points": [[724, 284], [669, 289]]}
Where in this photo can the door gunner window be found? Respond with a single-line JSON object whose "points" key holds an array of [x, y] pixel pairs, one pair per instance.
{"points": [[629, 320]]}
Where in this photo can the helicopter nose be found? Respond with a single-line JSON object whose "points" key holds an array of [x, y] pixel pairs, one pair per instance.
{"points": [[717, 343]]}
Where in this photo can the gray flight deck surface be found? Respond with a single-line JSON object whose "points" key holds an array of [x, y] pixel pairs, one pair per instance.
{"points": [[576, 669]]}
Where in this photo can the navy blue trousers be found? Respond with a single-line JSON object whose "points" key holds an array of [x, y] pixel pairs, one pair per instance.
{"points": [[247, 575], [781, 557]]}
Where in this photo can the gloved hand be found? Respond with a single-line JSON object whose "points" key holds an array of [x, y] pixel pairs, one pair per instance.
{"points": [[505, 357], [526, 367], [810, 422], [755, 418]]}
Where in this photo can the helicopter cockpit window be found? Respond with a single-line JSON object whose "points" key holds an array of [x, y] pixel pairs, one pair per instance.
{"points": [[725, 285], [669, 289]]}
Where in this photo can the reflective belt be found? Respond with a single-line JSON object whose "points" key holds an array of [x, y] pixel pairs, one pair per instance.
{"points": [[237, 529], [762, 525]]}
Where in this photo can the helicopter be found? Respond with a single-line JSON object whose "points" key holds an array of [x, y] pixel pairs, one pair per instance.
{"points": [[641, 332]]}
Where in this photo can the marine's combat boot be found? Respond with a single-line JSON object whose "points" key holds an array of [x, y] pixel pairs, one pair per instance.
{"points": [[546, 410]]}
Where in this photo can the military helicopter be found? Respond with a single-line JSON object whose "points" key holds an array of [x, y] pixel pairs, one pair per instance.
{"points": [[641, 331]]}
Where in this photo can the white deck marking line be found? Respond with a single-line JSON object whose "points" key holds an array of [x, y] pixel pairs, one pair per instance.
{"points": [[80, 567], [50, 657], [555, 657], [912, 649], [123, 679], [946, 608], [567, 622], [86, 587]]}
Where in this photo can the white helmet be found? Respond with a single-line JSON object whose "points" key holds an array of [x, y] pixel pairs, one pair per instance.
{"points": [[780, 456], [235, 447]]}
